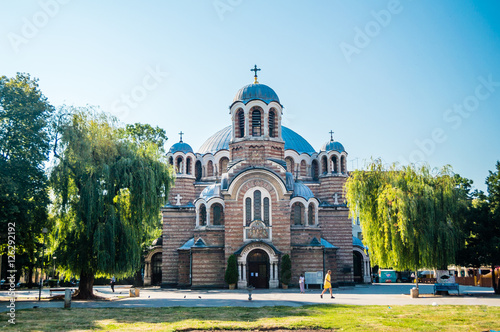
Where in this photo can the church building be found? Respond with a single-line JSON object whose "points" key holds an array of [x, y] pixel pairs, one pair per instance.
{"points": [[258, 190]]}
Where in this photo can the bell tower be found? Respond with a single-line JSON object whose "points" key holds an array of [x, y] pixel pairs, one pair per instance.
{"points": [[256, 114]]}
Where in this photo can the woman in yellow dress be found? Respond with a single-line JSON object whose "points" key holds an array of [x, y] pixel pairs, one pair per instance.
{"points": [[328, 284]]}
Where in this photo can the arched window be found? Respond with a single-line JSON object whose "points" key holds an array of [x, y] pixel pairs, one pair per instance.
{"points": [[217, 215], [203, 215], [310, 215], [272, 125], [303, 168], [257, 211], [223, 165], [342, 165], [298, 214], [266, 211], [178, 165], [256, 123], [188, 165], [197, 170], [335, 163], [314, 170], [210, 168], [248, 210], [241, 124], [324, 165], [290, 165]]}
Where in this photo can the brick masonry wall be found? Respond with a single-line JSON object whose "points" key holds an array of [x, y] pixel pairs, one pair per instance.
{"points": [[302, 236], [184, 268], [178, 226], [305, 259], [208, 267]]}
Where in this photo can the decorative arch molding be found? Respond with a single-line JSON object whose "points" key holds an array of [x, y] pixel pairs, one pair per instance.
{"points": [[258, 177], [147, 265], [365, 264], [314, 202], [199, 202], [273, 255]]}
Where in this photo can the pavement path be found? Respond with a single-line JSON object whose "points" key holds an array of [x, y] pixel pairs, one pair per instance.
{"points": [[376, 294]]}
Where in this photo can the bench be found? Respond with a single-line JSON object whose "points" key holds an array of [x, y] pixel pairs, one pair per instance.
{"points": [[446, 287], [59, 290]]}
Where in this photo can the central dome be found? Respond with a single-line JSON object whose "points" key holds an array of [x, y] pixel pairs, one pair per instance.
{"points": [[220, 141], [256, 91]]}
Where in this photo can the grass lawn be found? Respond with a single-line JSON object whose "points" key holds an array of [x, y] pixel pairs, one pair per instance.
{"points": [[334, 317]]}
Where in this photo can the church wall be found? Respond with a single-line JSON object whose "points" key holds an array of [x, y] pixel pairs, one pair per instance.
{"points": [[213, 236], [184, 186], [303, 235], [329, 185], [305, 259], [208, 267], [336, 228], [178, 226], [257, 151], [184, 266]]}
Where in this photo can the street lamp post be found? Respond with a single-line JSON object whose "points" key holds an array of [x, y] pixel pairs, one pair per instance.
{"points": [[44, 231]]}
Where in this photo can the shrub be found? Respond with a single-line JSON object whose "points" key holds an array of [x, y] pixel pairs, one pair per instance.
{"points": [[231, 276], [286, 269]]}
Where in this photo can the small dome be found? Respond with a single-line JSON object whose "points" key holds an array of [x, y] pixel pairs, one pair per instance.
{"points": [[333, 146], [181, 147], [301, 190], [158, 241], [212, 190], [358, 243], [256, 91]]}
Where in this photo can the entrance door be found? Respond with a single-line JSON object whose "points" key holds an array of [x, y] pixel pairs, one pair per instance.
{"points": [[156, 269], [258, 268], [358, 267]]}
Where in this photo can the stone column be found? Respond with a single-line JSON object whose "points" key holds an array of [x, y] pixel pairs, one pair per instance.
{"points": [[273, 282], [242, 283]]}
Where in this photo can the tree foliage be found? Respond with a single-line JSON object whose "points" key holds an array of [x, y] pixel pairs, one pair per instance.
{"points": [[24, 148], [108, 190], [231, 275], [286, 269], [482, 228], [410, 218]]}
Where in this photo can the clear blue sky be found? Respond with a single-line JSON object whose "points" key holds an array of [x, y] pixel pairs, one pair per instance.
{"points": [[400, 80]]}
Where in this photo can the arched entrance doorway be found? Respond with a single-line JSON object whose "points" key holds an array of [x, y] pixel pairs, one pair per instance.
{"points": [[358, 267], [258, 268], [156, 269]]}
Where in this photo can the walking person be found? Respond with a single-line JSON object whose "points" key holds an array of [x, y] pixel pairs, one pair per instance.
{"points": [[328, 284], [301, 284], [112, 283]]}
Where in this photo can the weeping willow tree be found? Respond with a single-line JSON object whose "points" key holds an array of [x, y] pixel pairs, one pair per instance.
{"points": [[410, 218], [108, 191]]}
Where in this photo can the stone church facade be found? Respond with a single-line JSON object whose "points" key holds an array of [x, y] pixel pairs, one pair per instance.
{"points": [[258, 190]]}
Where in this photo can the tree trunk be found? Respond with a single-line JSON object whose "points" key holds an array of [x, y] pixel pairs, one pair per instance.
{"points": [[496, 288], [86, 288], [30, 276], [416, 277], [138, 282]]}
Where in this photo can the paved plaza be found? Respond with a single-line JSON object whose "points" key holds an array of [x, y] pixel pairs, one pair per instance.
{"points": [[376, 294]]}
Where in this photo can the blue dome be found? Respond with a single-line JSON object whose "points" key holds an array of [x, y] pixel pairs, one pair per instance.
{"points": [[256, 91], [220, 141], [301, 190], [333, 146], [357, 242], [212, 190], [181, 147]]}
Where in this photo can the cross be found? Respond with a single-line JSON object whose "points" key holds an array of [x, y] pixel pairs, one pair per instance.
{"points": [[336, 198], [178, 199], [331, 134], [181, 133], [255, 69]]}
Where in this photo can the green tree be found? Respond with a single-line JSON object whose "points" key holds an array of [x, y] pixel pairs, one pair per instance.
{"points": [[482, 228], [24, 148], [411, 219], [144, 135], [108, 193]]}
